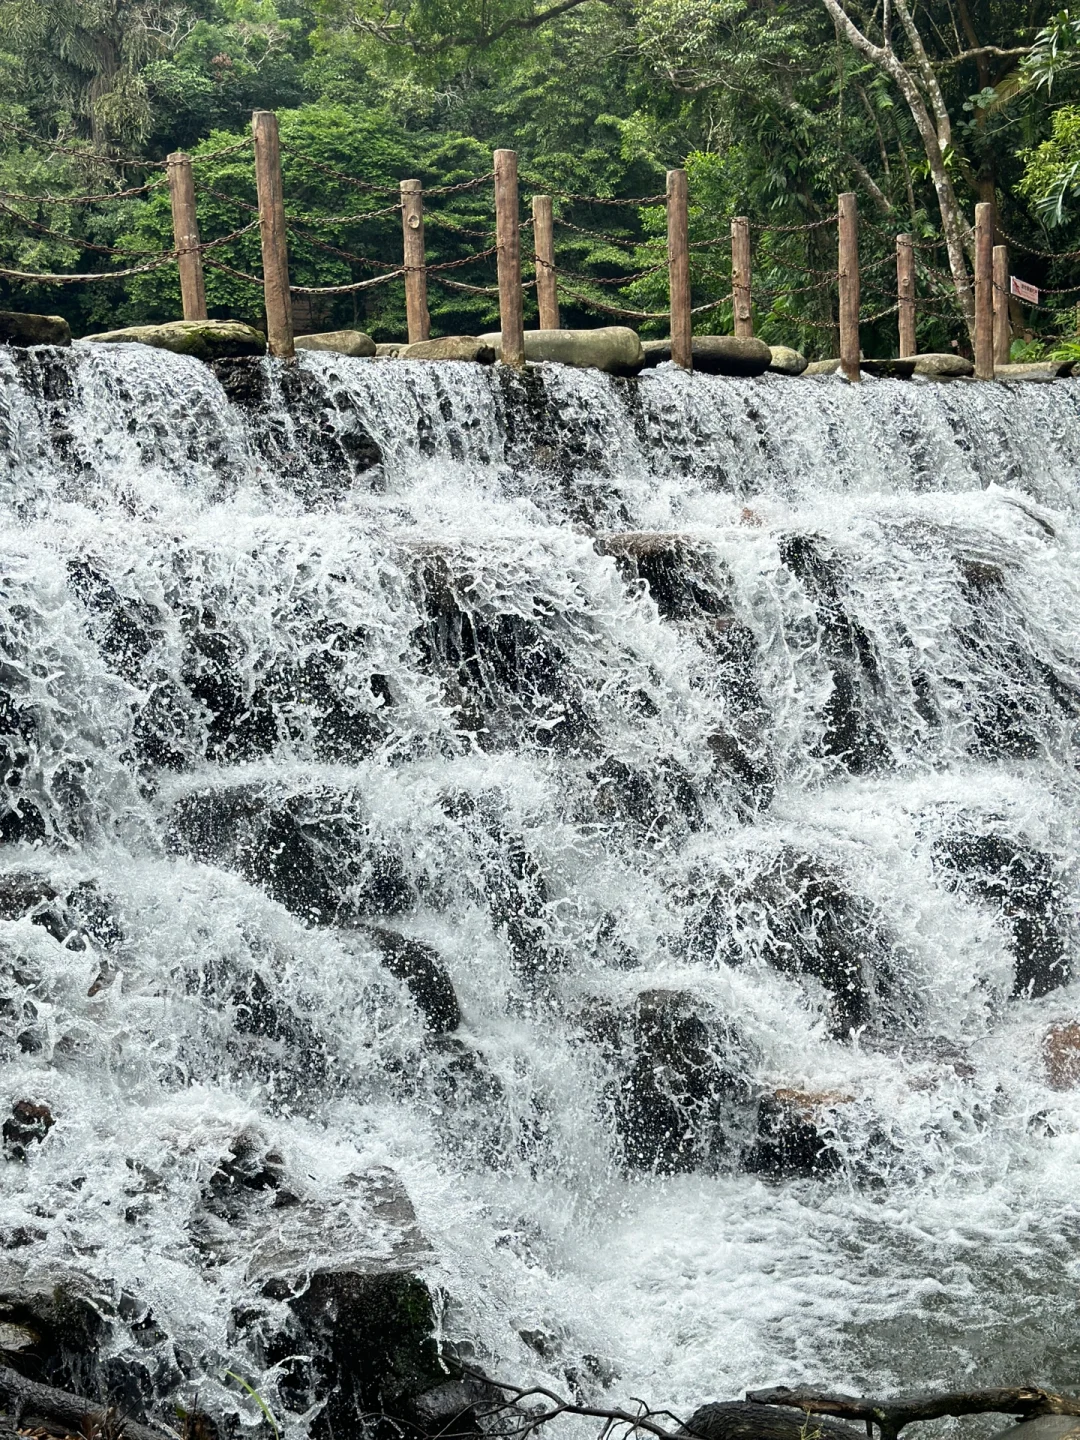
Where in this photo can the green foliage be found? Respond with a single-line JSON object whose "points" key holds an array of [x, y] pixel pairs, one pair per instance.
{"points": [[769, 110]]}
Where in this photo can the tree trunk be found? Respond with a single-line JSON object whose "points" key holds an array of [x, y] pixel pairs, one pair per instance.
{"points": [[952, 221]]}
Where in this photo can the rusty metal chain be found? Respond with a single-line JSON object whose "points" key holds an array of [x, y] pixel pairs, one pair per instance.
{"points": [[793, 229], [1039, 254], [448, 224], [116, 249], [128, 194], [345, 289], [29, 277], [545, 189], [610, 280]]}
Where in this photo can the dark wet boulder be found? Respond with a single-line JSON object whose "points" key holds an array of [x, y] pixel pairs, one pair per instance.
{"points": [[311, 849], [76, 915], [425, 975], [23, 329], [680, 1097], [65, 1315], [889, 369], [798, 914], [1022, 886], [305, 424], [796, 1134], [690, 590], [853, 731], [28, 1124], [506, 675]]}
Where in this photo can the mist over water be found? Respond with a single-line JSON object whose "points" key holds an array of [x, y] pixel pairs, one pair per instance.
{"points": [[717, 742]]}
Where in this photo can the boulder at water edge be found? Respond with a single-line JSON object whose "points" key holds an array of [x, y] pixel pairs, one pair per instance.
{"points": [[717, 354], [613, 348], [1035, 370], [389, 349], [340, 342], [205, 339], [451, 347], [19, 329], [822, 367], [943, 367], [892, 369], [786, 361]]}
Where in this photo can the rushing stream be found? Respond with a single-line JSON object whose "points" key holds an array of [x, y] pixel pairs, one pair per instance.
{"points": [[639, 816]]}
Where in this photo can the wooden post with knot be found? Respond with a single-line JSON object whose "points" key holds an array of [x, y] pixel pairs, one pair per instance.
{"points": [[678, 239], [984, 291], [415, 261], [1002, 323], [740, 277], [508, 242], [848, 280], [905, 294], [277, 297], [186, 236], [547, 284]]}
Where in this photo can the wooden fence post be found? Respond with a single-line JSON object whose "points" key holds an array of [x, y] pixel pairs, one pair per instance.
{"points": [[984, 291], [1002, 324], [414, 259], [547, 282], [848, 276], [508, 241], [678, 240], [186, 236], [275, 254], [740, 277], [905, 293]]}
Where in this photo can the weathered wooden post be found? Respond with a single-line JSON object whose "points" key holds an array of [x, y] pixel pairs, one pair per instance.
{"points": [[415, 261], [508, 242], [905, 294], [1002, 324], [186, 236], [740, 277], [984, 291], [275, 254], [848, 276], [547, 284], [678, 240]]}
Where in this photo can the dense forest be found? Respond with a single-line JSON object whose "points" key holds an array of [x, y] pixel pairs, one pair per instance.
{"points": [[773, 106]]}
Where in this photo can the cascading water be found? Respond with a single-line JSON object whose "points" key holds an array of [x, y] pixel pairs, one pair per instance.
{"points": [[634, 818]]}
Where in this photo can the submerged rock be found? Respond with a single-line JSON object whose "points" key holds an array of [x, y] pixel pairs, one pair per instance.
{"points": [[205, 339], [28, 1123], [615, 349], [19, 328], [852, 733], [681, 1094], [311, 849], [717, 354], [796, 1131], [341, 342], [428, 980], [799, 915], [1022, 885]]}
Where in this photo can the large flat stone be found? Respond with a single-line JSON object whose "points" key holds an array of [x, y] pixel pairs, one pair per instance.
{"points": [[943, 366], [717, 354], [479, 350], [339, 342], [204, 339], [1035, 370], [19, 329], [615, 349]]}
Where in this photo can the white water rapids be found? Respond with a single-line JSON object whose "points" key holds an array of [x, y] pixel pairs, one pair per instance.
{"points": [[837, 697]]}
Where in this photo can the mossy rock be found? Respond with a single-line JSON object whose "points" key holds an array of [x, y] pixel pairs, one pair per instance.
{"points": [[204, 339], [17, 328]]}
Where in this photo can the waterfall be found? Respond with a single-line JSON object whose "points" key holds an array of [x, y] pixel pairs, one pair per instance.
{"points": [[603, 850]]}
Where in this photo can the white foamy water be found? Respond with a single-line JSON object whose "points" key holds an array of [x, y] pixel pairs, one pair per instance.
{"points": [[760, 696]]}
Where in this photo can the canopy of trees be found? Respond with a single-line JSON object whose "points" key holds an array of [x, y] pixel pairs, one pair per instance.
{"points": [[923, 107]]}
